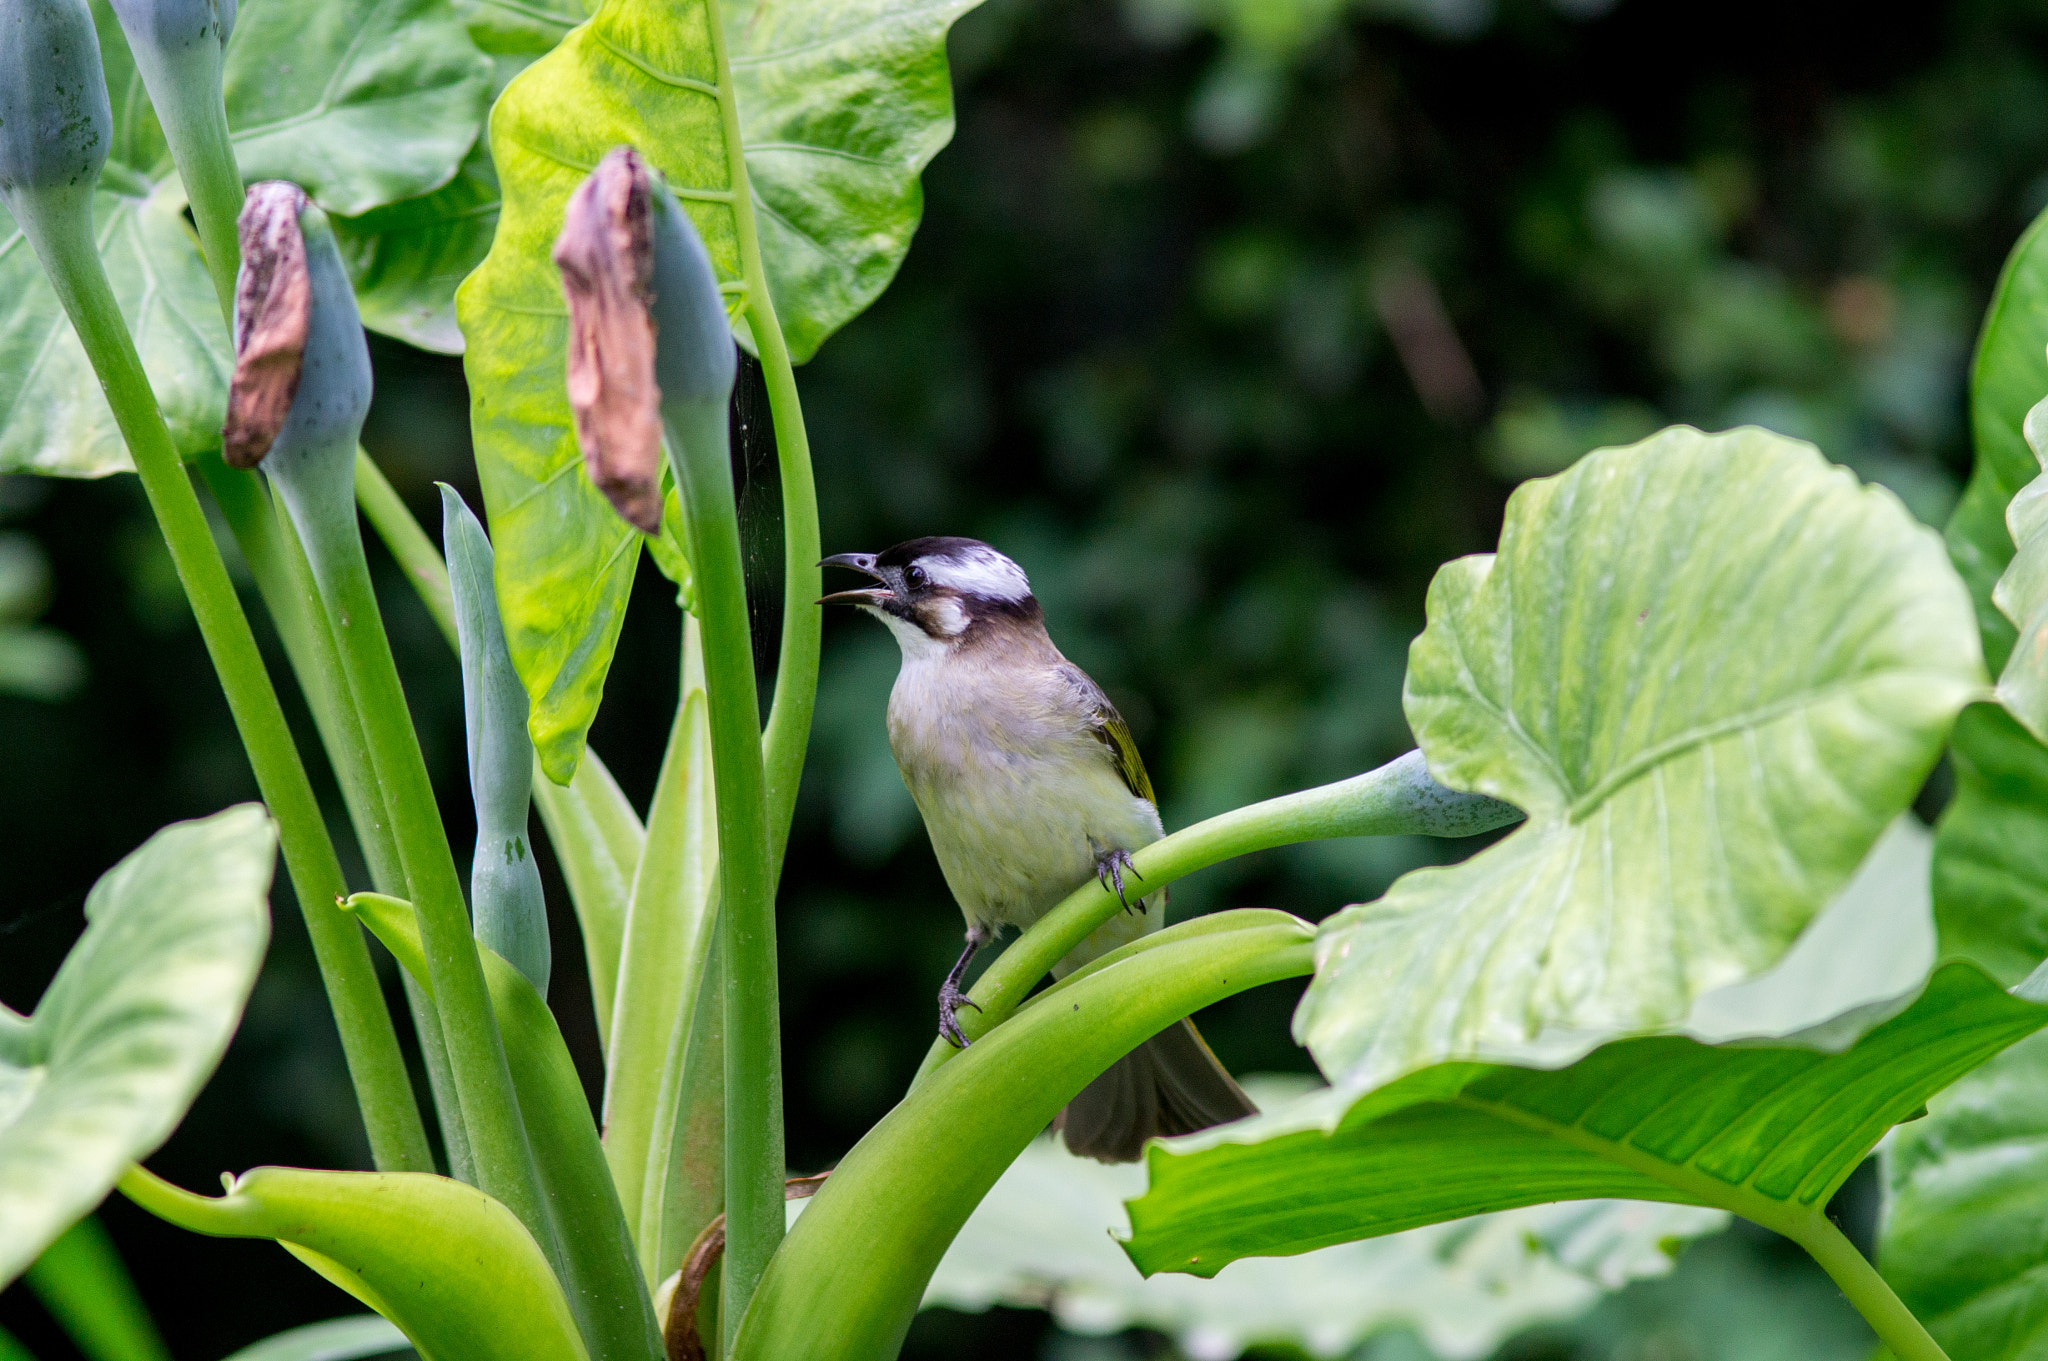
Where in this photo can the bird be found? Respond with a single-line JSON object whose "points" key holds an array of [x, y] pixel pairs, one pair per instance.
{"points": [[1030, 784]]}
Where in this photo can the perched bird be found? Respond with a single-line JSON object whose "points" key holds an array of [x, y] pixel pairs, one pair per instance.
{"points": [[1030, 785]]}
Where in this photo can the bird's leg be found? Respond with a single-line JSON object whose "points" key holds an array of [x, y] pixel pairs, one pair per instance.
{"points": [[1110, 871], [951, 999]]}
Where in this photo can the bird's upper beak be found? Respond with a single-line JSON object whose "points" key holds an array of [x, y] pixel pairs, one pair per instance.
{"points": [[859, 562]]}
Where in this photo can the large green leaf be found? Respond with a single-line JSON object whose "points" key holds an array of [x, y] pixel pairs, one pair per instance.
{"points": [[1711, 669], [1768, 1133], [363, 102], [1991, 847], [1968, 1192], [840, 107], [133, 1023], [836, 193], [1044, 1237], [2009, 375]]}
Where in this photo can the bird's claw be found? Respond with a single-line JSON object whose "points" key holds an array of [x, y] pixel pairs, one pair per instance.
{"points": [[1109, 872], [951, 999]]}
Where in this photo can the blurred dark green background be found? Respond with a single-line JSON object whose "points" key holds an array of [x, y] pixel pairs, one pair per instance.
{"points": [[1230, 320]]}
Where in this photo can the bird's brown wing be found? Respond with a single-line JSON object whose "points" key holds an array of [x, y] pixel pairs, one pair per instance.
{"points": [[1114, 734]]}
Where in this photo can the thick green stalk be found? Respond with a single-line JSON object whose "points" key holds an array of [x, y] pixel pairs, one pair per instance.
{"points": [[596, 834], [670, 921], [848, 1280], [754, 1168], [1886, 1314], [796, 670], [311, 466], [284, 579], [370, 1045], [753, 1032], [612, 1305], [1398, 798]]}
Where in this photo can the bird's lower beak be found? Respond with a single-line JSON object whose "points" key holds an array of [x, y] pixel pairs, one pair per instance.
{"points": [[868, 595]]}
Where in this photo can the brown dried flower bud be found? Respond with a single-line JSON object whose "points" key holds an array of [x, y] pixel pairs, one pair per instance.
{"points": [[606, 255], [273, 310]]}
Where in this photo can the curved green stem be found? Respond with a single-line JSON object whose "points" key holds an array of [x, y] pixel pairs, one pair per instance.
{"points": [[851, 1274], [1886, 1314], [369, 1043], [1396, 799]]}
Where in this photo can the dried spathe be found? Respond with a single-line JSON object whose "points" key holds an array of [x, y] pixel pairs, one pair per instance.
{"points": [[273, 311], [606, 256]]}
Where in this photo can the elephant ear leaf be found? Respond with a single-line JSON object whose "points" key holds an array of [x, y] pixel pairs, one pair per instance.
{"points": [[133, 1024], [838, 107], [1712, 668]]}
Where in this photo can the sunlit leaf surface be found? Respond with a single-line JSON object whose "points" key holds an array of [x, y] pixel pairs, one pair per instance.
{"points": [[133, 1023], [1043, 1238], [363, 102], [1711, 669], [1767, 1132]]}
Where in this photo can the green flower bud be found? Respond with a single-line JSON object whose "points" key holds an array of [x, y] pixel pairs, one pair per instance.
{"points": [[504, 883], [55, 122]]}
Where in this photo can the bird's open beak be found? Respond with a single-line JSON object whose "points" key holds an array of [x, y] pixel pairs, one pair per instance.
{"points": [[859, 562]]}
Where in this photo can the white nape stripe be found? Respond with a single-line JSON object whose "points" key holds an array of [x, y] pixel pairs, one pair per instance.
{"points": [[978, 571]]}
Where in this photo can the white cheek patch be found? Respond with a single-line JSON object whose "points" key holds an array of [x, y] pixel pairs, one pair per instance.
{"points": [[949, 616], [979, 571]]}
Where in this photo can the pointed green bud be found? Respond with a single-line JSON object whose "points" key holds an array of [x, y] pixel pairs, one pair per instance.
{"points": [[55, 122], [504, 882]]}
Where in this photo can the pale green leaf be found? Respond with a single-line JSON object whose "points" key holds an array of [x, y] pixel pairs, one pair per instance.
{"points": [[1991, 847], [2007, 377], [1712, 669], [840, 106], [1042, 1238], [133, 1023], [1968, 1193], [336, 1339], [1766, 1132], [836, 197], [363, 102], [407, 258]]}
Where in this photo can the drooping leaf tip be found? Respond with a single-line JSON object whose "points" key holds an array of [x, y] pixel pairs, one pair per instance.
{"points": [[273, 314]]}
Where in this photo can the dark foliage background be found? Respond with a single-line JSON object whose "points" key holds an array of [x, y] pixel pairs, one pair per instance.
{"points": [[1230, 320]]}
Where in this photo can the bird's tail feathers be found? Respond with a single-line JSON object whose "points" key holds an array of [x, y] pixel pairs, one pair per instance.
{"points": [[1171, 1084]]}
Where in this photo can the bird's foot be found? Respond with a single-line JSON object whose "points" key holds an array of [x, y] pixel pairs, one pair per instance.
{"points": [[1110, 871], [951, 999]]}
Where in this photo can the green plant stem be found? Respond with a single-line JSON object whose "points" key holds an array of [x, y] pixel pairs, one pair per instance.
{"points": [[597, 835], [754, 1169], [756, 796], [476, 1053], [846, 1284], [1886, 1314], [796, 668], [1397, 799], [196, 126], [370, 1045], [284, 579]]}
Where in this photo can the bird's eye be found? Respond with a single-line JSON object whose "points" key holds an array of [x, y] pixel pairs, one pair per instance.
{"points": [[915, 578]]}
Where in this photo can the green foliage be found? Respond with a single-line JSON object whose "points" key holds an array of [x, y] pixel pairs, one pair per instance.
{"points": [[81, 1280], [1618, 671], [337, 1339], [1044, 1236], [361, 103], [1769, 1133], [452, 1268], [838, 199], [2005, 382], [134, 1022], [1961, 1241]]}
